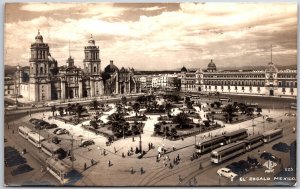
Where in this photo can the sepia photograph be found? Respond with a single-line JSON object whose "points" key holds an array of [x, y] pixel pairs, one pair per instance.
{"points": [[150, 94]]}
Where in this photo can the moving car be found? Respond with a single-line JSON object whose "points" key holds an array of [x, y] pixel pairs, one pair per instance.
{"points": [[86, 143], [55, 140], [225, 172], [269, 119], [13, 107], [51, 126]]}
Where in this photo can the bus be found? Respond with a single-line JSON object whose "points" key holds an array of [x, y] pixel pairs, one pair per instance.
{"points": [[24, 131], [53, 150], [254, 141], [210, 144], [59, 170], [225, 99], [226, 152], [35, 139], [236, 135], [272, 135]]}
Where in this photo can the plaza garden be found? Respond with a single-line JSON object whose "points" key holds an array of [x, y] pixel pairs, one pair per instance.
{"points": [[176, 117]]}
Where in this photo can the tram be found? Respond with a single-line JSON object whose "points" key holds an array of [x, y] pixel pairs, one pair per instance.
{"points": [[272, 135], [229, 151], [24, 131]]}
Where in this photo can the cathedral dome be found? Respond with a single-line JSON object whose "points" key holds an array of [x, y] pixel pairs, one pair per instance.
{"points": [[183, 69], [211, 66], [39, 38], [91, 41], [111, 68]]}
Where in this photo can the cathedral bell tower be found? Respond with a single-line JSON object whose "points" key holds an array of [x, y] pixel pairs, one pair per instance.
{"points": [[40, 65], [91, 59]]}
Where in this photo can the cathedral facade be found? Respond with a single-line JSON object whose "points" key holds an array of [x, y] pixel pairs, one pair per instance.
{"points": [[47, 81]]}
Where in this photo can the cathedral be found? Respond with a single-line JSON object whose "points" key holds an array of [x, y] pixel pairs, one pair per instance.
{"points": [[44, 80]]}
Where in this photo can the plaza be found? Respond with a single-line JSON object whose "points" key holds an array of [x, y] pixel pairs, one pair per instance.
{"points": [[125, 169]]}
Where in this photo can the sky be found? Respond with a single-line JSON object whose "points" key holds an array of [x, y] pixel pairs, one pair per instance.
{"points": [[156, 36]]}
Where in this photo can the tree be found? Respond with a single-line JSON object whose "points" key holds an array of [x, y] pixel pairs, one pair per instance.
{"points": [[94, 124], [189, 105], [187, 99], [136, 107], [229, 110], [249, 111], [155, 104], [135, 128], [53, 109], [173, 132], [124, 100], [157, 128], [61, 111], [218, 104], [95, 104], [119, 108], [182, 119], [168, 108], [258, 110], [242, 107], [79, 109]]}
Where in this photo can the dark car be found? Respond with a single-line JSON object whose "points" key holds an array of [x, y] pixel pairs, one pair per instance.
{"points": [[281, 147], [55, 140], [86, 143], [51, 126], [21, 169], [269, 156], [245, 165], [269, 119], [235, 168]]}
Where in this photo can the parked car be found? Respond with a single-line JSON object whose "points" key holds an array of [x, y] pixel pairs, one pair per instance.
{"points": [[51, 126], [290, 114], [281, 147], [21, 169], [12, 107], [55, 140], [269, 119], [269, 156], [225, 172], [86, 143], [235, 168], [62, 131], [56, 130]]}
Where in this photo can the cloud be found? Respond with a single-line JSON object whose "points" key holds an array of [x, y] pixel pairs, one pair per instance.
{"points": [[45, 7], [159, 35]]}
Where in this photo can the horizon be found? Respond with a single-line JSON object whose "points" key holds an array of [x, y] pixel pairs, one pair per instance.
{"points": [[156, 36]]}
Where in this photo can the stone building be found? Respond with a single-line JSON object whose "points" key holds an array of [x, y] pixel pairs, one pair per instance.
{"points": [[47, 81]]}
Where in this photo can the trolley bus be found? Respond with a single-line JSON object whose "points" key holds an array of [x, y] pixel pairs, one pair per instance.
{"points": [[24, 131], [210, 144], [272, 135], [53, 150], [35, 139], [236, 135], [59, 170], [226, 152], [254, 141]]}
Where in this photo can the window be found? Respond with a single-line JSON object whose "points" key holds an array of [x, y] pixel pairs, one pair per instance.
{"points": [[94, 69], [243, 88], [235, 87], [228, 87], [295, 84], [292, 90], [41, 70], [250, 88], [287, 84], [215, 87], [283, 89], [279, 84], [258, 88]]}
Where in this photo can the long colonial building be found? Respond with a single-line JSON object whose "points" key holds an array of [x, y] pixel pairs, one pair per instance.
{"points": [[45, 81], [268, 82]]}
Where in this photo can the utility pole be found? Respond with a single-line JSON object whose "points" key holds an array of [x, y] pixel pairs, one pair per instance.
{"points": [[253, 124], [140, 143], [72, 154]]}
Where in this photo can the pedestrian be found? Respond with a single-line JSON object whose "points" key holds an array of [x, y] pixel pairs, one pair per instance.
{"points": [[123, 155], [13, 131], [171, 165], [174, 161], [142, 170], [179, 178], [182, 138], [128, 153], [149, 146], [85, 166], [200, 166], [115, 150], [157, 158], [131, 170], [132, 139], [104, 152], [92, 162], [178, 158], [109, 163], [131, 149], [173, 147]]}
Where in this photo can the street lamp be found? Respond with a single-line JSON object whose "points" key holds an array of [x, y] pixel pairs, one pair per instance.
{"points": [[140, 142], [253, 124]]}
